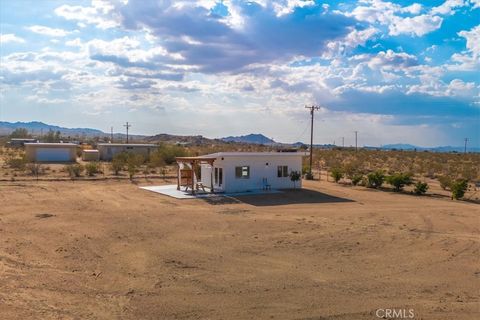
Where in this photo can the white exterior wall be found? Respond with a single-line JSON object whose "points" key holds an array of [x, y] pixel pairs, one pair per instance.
{"points": [[258, 171]]}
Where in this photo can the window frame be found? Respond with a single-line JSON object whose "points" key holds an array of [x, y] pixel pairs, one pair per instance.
{"points": [[241, 170], [282, 171]]}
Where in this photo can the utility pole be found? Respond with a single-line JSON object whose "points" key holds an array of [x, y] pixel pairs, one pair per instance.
{"points": [[343, 142], [465, 149], [356, 145], [111, 134], [127, 126], [312, 111]]}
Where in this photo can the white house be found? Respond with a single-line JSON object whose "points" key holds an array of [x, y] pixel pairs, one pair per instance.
{"points": [[240, 171]]}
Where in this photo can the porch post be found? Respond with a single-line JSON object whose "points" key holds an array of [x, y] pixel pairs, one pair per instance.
{"points": [[211, 178], [178, 176], [193, 176]]}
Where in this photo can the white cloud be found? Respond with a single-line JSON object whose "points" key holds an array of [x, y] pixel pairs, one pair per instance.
{"points": [[468, 60], [47, 31], [475, 4], [282, 8], [473, 40], [392, 16], [10, 38], [418, 25], [101, 14], [448, 7]]}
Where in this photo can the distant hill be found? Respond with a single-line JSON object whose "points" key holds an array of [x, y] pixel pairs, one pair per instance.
{"points": [[36, 127], [250, 138]]}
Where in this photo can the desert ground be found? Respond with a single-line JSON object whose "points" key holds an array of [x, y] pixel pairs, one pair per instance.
{"points": [[109, 250]]}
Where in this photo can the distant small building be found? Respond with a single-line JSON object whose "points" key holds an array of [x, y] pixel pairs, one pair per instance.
{"points": [[109, 150], [20, 142], [90, 155], [51, 152]]}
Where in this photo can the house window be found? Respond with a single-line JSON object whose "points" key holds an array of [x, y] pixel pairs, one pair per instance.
{"points": [[242, 172], [282, 171]]}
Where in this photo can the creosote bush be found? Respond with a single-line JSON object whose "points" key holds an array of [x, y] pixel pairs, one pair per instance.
{"points": [[92, 168], [356, 178], [336, 174], [294, 177], [74, 170], [399, 180], [445, 182], [420, 188], [375, 179], [459, 187]]}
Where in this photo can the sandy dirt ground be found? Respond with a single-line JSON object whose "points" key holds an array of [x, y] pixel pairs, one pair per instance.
{"points": [[109, 250]]}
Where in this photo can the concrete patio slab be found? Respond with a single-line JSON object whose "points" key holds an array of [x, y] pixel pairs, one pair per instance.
{"points": [[171, 191]]}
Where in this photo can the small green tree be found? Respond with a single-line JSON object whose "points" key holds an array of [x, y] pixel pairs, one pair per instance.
{"points": [[336, 174], [92, 168], [133, 162], [118, 163], [20, 133], [375, 179], [74, 170], [356, 178], [294, 177], [420, 188], [399, 180], [17, 163], [459, 188]]}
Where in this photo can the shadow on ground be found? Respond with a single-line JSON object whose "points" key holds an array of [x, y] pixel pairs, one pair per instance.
{"points": [[299, 196]]}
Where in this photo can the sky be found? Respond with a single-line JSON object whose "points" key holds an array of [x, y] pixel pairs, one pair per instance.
{"points": [[396, 72]]}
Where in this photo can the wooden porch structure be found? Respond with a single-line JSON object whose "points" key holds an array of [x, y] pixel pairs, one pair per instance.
{"points": [[186, 177]]}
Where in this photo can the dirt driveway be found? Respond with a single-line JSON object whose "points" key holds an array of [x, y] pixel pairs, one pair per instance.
{"points": [[109, 250]]}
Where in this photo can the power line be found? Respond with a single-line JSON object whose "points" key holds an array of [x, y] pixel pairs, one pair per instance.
{"points": [[312, 111], [356, 145], [127, 126]]}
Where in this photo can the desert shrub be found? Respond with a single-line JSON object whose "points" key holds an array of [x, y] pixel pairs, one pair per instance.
{"points": [[168, 152], [375, 179], [305, 168], [399, 180], [16, 163], [20, 133], [118, 163], [133, 162], [156, 160], [459, 187], [35, 169], [294, 177], [74, 170], [92, 168], [336, 174], [420, 188], [445, 182], [356, 178], [308, 176]]}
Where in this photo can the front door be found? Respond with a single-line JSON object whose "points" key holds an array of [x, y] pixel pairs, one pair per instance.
{"points": [[219, 177]]}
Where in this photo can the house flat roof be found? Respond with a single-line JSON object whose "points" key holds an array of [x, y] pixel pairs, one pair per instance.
{"points": [[255, 154], [23, 139], [52, 144], [126, 145]]}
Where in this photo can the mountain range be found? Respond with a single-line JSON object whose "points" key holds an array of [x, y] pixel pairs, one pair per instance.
{"points": [[36, 128]]}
